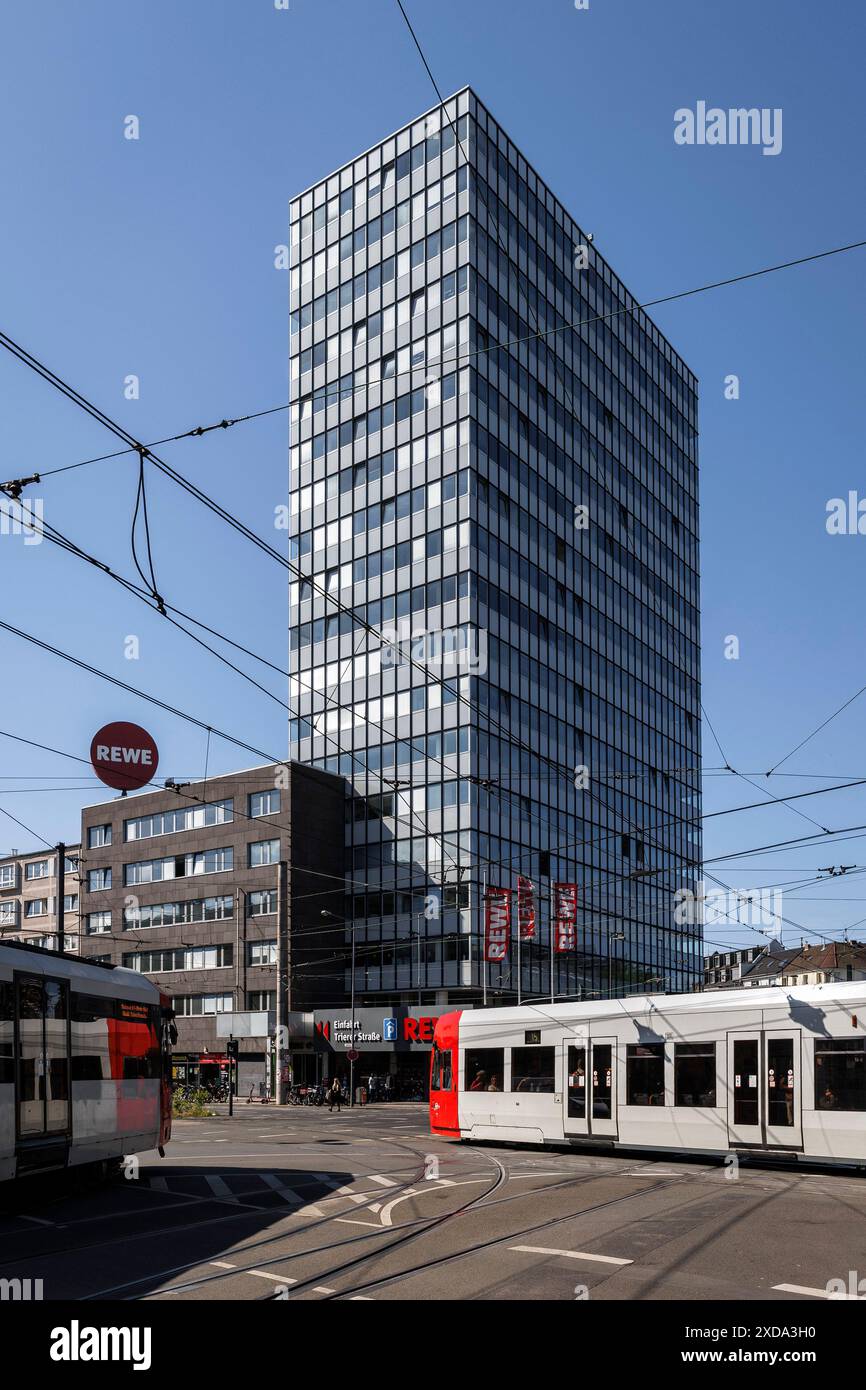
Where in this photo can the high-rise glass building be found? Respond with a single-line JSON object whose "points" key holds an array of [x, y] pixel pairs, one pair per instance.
{"points": [[494, 523]]}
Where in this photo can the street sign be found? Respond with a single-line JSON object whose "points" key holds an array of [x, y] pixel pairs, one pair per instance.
{"points": [[352, 1055], [124, 756]]}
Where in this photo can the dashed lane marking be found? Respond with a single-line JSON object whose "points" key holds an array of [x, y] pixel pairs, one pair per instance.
{"points": [[570, 1254]]}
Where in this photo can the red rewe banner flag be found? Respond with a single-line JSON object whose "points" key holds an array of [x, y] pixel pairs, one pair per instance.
{"points": [[564, 916], [525, 909], [497, 923]]}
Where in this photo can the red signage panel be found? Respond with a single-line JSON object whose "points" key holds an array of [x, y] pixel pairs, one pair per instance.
{"points": [[497, 923], [124, 756], [564, 916]]}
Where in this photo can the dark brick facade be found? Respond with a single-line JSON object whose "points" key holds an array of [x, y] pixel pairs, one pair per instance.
{"points": [[310, 828]]}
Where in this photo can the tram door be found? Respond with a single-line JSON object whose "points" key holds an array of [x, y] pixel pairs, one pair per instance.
{"points": [[42, 1074], [764, 1093], [589, 1070]]}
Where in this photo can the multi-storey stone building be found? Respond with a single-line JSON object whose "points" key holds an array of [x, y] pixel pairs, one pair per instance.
{"points": [[495, 450], [28, 899], [207, 887]]}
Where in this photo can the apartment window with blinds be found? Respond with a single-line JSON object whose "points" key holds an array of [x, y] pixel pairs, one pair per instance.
{"points": [[262, 953], [264, 852]]}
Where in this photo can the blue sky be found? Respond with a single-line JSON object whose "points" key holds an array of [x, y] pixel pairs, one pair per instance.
{"points": [[155, 257]]}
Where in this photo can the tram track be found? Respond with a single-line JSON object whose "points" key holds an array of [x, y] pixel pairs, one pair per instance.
{"points": [[427, 1224], [249, 1212]]}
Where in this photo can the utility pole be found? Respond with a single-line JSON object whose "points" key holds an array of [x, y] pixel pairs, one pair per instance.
{"points": [[283, 1000], [61, 894]]}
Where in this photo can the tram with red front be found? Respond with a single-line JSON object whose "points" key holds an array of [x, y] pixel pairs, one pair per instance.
{"points": [[85, 1062], [772, 1070]]}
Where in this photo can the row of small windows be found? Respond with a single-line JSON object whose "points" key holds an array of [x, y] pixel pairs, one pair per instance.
{"points": [[174, 821], [427, 497], [261, 903], [33, 871], [168, 959], [180, 958], [210, 861]]}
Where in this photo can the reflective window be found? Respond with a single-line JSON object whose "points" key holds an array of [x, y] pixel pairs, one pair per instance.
{"points": [[484, 1068], [533, 1068], [695, 1074], [645, 1074], [840, 1074], [441, 1078]]}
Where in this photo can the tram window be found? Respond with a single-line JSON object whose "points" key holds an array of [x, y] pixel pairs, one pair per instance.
{"points": [[576, 1083], [645, 1074], [87, 1008], [7, 1052], [485, 1068], [695, 1074], [532, 1068], [840, 1074], [440, 1073], [780, 1081]]}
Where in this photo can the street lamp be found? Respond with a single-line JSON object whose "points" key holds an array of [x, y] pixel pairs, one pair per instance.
{"points": [[612, 936], [351, 925]]}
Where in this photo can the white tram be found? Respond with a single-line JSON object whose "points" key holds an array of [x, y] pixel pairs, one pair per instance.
{"points": [[85, 1062], [772, 1070]]}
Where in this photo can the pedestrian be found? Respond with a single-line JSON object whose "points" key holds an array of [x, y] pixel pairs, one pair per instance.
{"points": [[335, 1095]]}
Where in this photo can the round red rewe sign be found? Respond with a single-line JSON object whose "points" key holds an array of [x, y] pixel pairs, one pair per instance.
{"points": [[124, 756]]}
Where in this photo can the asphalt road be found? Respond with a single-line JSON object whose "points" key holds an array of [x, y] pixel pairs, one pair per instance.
{"points": [[366, 1204]]}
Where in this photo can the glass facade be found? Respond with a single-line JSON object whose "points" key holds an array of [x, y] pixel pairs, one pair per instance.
{"points": [[494, 628]]}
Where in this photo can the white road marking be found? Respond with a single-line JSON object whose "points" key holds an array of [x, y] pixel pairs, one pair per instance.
{"points": [[289, 1194], [819, 1293], [570, 1254], [38, 1220], [220, 1188], [350, 1221], [323, 1288], [382, 1181], [259, 1273]]}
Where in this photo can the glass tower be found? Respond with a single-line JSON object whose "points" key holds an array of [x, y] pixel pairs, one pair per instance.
{"points": [[494, 528]]}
